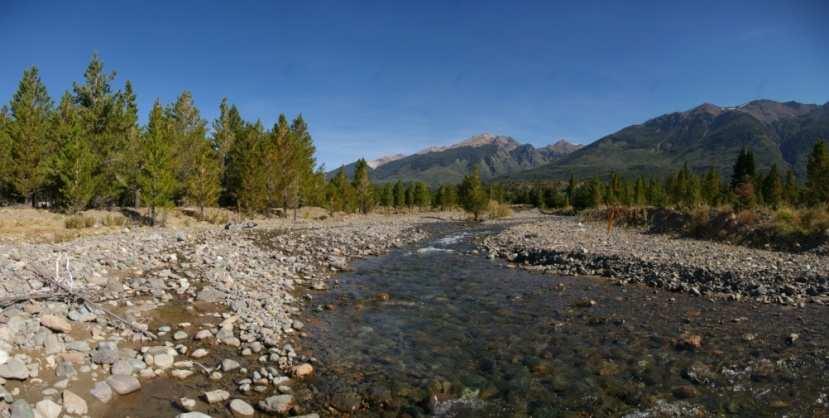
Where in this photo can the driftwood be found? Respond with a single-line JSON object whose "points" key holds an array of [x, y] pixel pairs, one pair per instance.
{"points": [[90, 304], [12, 300]]}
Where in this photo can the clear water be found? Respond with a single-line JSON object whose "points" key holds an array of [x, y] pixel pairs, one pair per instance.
{"points": [[451, 333]]}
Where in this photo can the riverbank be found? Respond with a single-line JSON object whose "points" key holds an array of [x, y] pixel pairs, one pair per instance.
{"points": [[564, 245], [110, 324]]}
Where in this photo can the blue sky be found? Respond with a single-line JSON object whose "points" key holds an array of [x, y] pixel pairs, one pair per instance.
{"points": [[376, 78]]}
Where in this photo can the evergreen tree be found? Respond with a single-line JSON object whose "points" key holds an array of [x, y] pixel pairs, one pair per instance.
{"points": [[203, 184], [772, 188], [817, 173], [422, 195], [103, 126], [473, 197], [75, 162], [252, 145], [387, 195], [305, 185], [5, 155], [157, 178], [226, 128], [362, 186], [791, 192], [571, 189], [711, 187], [640, 192], [744, 168], [127, 163], [342, 194], [190, 145], [28, 131], [399, 195]]}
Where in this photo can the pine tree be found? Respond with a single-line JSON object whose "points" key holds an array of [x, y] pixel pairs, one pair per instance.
{"points": [[422, 195], [473, 197], [744, 168], [252, 193], [305, 161], [188, 134], [226, 128], [387, 195], [342, 194], [5, 155], [791, 190], [399, 195], [102, 126], [28, 130], [817, 173], [772, 188], [126, 160], [203, 184], [362, 186], [75, 162], [639, 192], [711, 187], [157, 178]]}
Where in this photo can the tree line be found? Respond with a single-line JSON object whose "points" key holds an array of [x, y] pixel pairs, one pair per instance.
{"points": [[686, 189], [89, 151], [359, 194]]}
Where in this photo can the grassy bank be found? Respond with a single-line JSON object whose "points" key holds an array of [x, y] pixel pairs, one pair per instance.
{"points": [[784, 229]]}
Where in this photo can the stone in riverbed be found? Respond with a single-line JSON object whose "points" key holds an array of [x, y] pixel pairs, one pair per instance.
{"points": [[241, 408], [198, 353], [217, 395], [102, 392], [22, 409], [203, 334], [279, 404], [73, 403], [14, 369], [123, 384], [187, 404], [302, 370], [56, 323], [181, 373], [179, 335], [48, 408], [122, 367], [229, 364], [192, 415], [163, 360]]}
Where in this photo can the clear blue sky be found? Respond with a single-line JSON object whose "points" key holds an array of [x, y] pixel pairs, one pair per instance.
{"points": [[380, 77]]}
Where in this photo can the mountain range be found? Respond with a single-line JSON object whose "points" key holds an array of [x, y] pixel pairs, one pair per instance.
{"points": [[496, 155], [707, 136]]}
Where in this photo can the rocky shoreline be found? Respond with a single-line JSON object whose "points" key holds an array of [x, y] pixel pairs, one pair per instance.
{"points": [[214, 307], [564, 245]]}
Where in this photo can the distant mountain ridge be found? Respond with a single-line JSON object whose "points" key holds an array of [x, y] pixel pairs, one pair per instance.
{"points": [[707, 136], [497, 155]]}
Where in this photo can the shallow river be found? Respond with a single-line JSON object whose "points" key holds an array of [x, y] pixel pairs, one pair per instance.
{"points": [[435, 330]]}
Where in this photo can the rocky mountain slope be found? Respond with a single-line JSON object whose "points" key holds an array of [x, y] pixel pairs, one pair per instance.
{"points": [[495, 154], [706, 136]]}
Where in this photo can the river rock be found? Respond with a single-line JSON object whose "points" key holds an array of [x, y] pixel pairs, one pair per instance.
{"points": [[192, 415], [217, 395], [55, 323], [22, 409], [14, 369], [199, 353], [278, 404], [229, 364], [48, 408], [102, 392], [241, 408], [203, 334], [123, 384], [302, 370], [163, 360], [73, 403]]}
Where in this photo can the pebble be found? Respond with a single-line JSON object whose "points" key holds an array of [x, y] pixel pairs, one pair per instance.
{"points": [[73, 403], [123, 384], [217, 395], [101, 391], [241, 408]]}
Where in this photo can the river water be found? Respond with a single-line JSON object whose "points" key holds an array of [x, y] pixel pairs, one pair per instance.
{"points": [[434, 329]]}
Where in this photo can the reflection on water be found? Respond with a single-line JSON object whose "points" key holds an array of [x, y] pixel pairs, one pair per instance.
{"points": [[446, 333]]}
